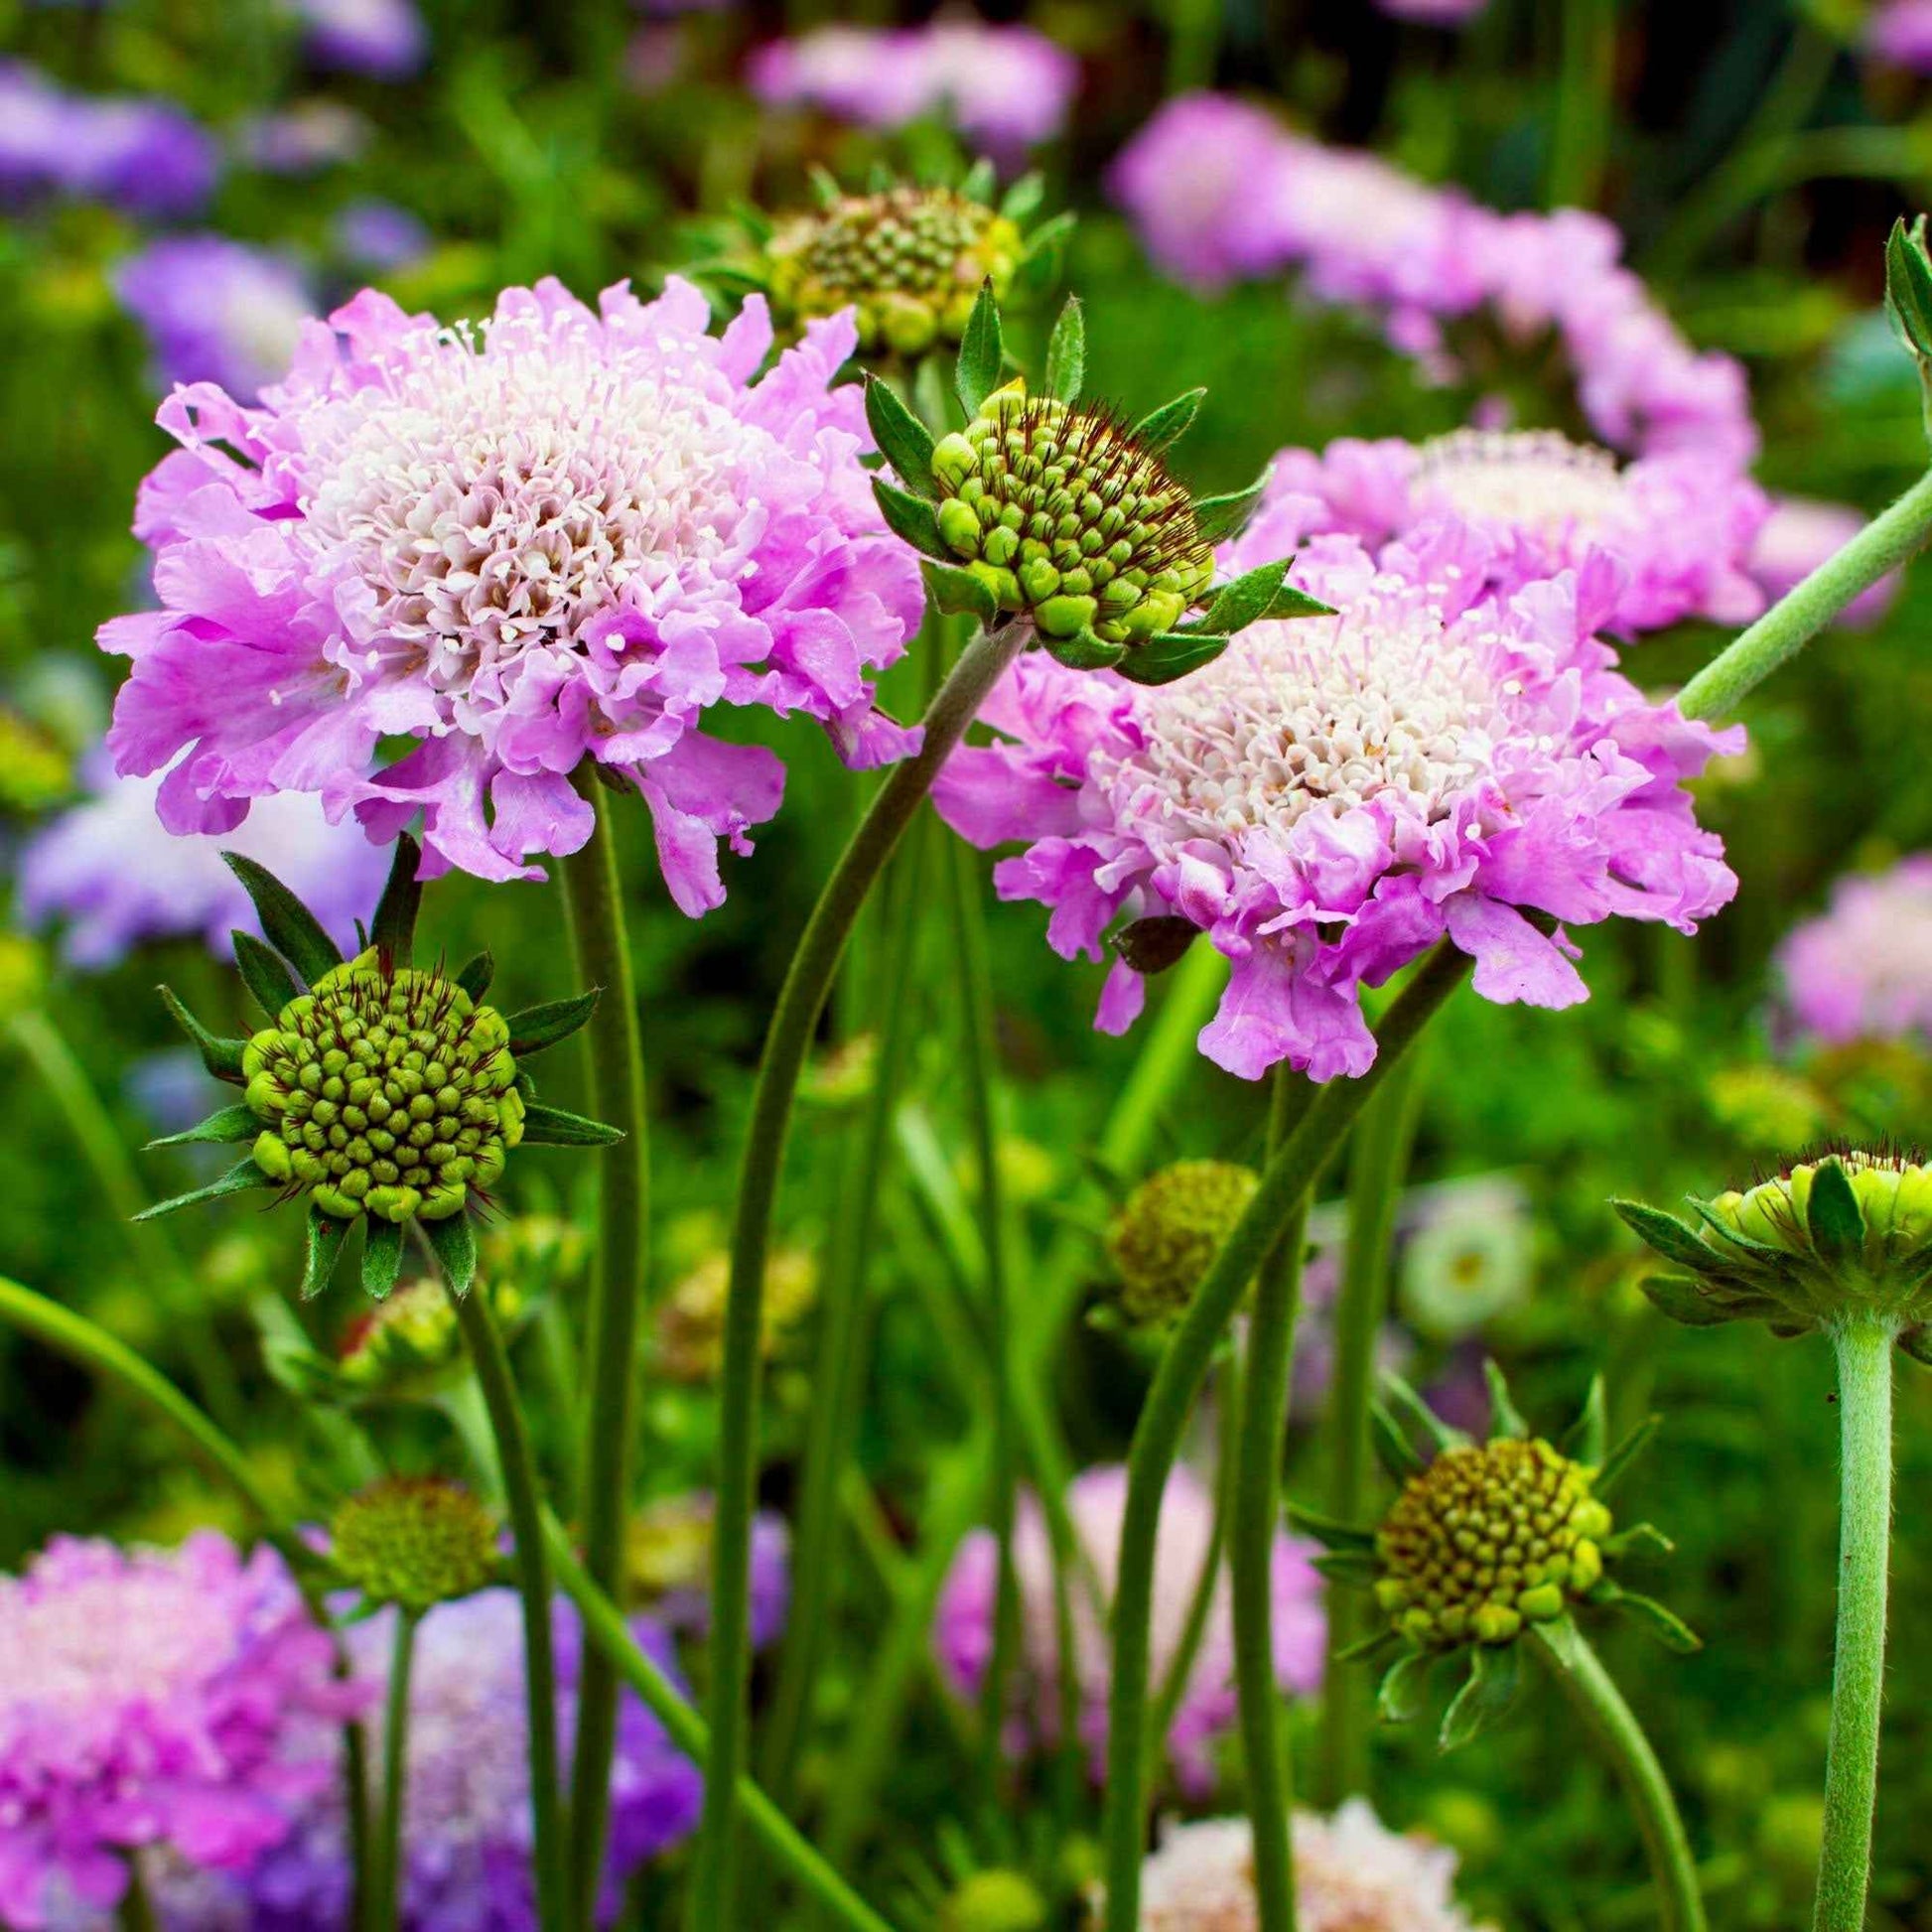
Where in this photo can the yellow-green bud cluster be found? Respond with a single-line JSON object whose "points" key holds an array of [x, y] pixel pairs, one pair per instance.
{"points": [[667, 1547], [910, 263], [416, 1541], [994, 1901], [1486, 1539], [1065, 517], [385, 1090], [1894, 1197], [691, 1322], [1167, 1235]]}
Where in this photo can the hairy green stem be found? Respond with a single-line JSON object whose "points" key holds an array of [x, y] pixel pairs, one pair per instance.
{"points": [[605, 1631], [786, 1043], [1865, 1370], [1601, 1705], [1285, 1186], [1255, 1521], [594, 900], [135, 1913], [516, 1468], [386, 1851], [1378, 1160]]}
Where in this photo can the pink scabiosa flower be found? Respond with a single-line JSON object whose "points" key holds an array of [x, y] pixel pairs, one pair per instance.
{"points": [[1330, 798], [216, 309], [1862, 968], [1680, 528], [1096, 1500], [152, 1698], [559, 535], [1798, 535]]}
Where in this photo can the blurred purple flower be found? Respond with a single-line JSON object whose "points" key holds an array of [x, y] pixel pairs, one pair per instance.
{"points": [[1801, 533], [216, 309], [1435, 13], [1900, 32], [1096, 1500], [1862, 968], [379, 237], [300, 140], [148, 157], [384, 39]]}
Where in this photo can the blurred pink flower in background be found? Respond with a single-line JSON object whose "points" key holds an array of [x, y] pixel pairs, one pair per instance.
{"points": [[1801, 533], [1862, 968]]}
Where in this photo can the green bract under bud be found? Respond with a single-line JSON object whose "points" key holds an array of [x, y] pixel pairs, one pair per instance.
{"points": [[1166, 1237], [994, 1901], [384, 1091], [416, 1541], [908, 262], [1843, 1237]]}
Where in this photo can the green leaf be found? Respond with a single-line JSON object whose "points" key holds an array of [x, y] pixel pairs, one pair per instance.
{"points": [[1683, 1299], [381, 1255], [476, 977], [222, 1058], [1170, 423], [1616, 1464], [225, 1129], [1241, 602], [272, 984], [958, 592], [244, 1176], [1640, 1539], [395, 931], [1833, 1214], [1084, 653], [1331, 1533], [1494, 1682], [1418, 1416], [1218, 517], [982, 355], [979, 182], [1349, 1566], [1290, 603], [553, 1127], [1909, 287], [911, 517], [1585, 1438], [1735, 1239], [1365, 1648], [287, 925], [1169, 655], [1674, 1240], [1066, 353], [1393, 1450], [454, 1242], [324, 1249], [1398, 1700], [904, 441], [1505, 1419], [538, 1027], [1655, 1621], [826, 190], [1022, 199]]}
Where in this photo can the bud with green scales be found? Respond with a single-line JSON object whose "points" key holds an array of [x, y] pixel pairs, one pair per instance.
{"points": [[1168, 1231], [995, 1900], [1060, 513], [379, 1092], [1841, 1236], [415, 1541], [1485, 1543]]}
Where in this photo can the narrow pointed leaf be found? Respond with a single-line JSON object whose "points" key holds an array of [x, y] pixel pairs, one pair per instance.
{"points": [[1393, 1450], [1654, 1621], [1415, 1415], [1290, 603], [904, 441], [324, 1249], [225, 1129], [272, 984], [1640, 1539], [536, 1028], [1674, 1240], [911, 517], [1616, 1464], [1066, 353], [1505, 1419], [381, 1255], [880, 179], [1833, 1213], [1022, 199], [1331, 1533], [1169, 655], [1735, 1238], [476, 977], [1680, 1297], [1241, 602], [395, 931], [1085, 653], [1368, 1647], [981, 354], [244, 1176], [1494, 1683], [979, 182], [222, 1058], [958, 592], [1170, 423], [826, 190], [1349, 1566], [1042, 266], [454, 1241], [289, 926], [1217, 517], [1398, 1700], [758, 226], [553, 1127], [1908, 290], [1584, 1441]]}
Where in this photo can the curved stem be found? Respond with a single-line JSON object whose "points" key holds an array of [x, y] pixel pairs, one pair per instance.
{"points": [[603, 1627], [1252, 1529], [1865, 1352], [1286, 1184], [1378, 1158], [594, 899], [136, 1913], [787, 1042], [1600, 1704], [386, 1852], [517, 1470]]}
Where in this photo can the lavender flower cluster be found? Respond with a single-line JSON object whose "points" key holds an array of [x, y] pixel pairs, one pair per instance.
{"points": [[145, 155]]}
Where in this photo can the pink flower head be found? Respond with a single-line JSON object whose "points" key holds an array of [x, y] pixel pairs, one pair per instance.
{"points": [[1680, 528], [1801, 533], [1096, 1500], [1332, 795], [1900, 32], [1862, 968], [561, 534], [152, 1698]]}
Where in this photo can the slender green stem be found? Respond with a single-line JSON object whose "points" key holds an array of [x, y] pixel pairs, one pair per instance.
{"points": [[604, 1626], [516, 1468], [1286, 1184], [1803, 612], [387, 1859], [1865, 1358], [1601, 1705], [788, 1040], [594, 899], [1378, 1159], [1194, 43], [1581, 119], [1251, 1530], [136, 1911]]}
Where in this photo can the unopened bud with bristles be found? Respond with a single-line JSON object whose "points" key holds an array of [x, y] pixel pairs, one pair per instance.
{"points": [[1164, 1238], [415, 1541]]}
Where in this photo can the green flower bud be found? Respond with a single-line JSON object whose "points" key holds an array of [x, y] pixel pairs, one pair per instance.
{"points": [[1167, 1235], [408, 1346], [416, 1541], [994, 1901]]}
